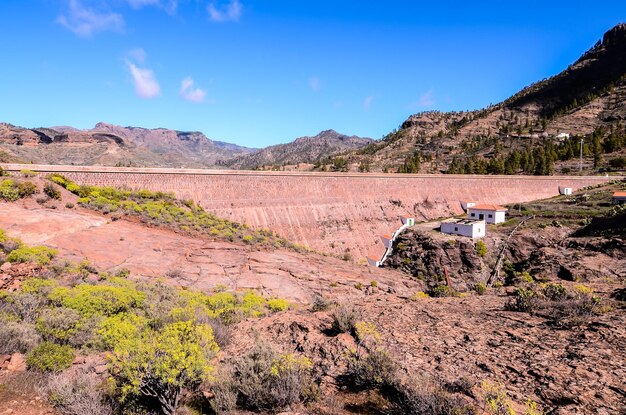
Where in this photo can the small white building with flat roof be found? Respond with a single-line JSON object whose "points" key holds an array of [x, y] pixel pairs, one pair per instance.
{"points": [[488, 213], [464, 227], [407, 220], [565, 190]]}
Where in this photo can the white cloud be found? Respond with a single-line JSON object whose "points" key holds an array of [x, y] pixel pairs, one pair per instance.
{"points": [[86, 22], [367, 102], [427, 99], [228, 13], [169, 6], [315, 84], [146, 84], [140, 3], [137, 54], [191, 93]]}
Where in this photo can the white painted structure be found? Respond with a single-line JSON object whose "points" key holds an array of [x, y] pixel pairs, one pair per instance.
{"points": [[387, 239], [563, 136], [407, 220], [464, 227], [466, 205], [488, 213], [373, 262], [565, 190]]}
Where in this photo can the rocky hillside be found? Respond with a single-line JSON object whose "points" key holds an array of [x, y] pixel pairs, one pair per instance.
{"points": [[574, 238], [111, 145], [99, 306], [587, 100], [302, 150]]}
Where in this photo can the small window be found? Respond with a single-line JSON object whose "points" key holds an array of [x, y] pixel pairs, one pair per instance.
{"points": [[490, 215], [473, 214], [456, 229]]}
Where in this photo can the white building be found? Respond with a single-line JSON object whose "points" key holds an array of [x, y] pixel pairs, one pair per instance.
{"points": [[565, 190], [387, 239], [562, 136], [488, 213], [407, 220], [373, 262], [464, 227]]}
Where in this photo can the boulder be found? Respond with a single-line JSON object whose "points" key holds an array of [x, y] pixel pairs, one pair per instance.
{"points": [[17, 363]]}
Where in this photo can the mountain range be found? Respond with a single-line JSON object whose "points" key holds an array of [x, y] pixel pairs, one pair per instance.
{"points": [[544, 120]]}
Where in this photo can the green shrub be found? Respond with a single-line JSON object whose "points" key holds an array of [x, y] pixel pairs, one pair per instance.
{"points": [[28, 173], [25, 189], [267, 380], [481, 249], [51, 191], [50, 357], [41, 255], [442, 290], [373, 369], [160, 363], [480, 288], [58, 324], [9, 191], [277, 304], [105, 299]]}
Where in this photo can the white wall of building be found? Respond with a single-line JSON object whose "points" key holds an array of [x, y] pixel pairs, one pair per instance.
{"points": [[471, 230], [489, 216]]}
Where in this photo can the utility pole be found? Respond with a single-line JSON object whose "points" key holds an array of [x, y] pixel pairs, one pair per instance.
{"points": [[580, 167]]}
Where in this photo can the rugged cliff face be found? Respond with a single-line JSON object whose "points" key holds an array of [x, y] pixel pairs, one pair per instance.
{"points": [[111, 145]]}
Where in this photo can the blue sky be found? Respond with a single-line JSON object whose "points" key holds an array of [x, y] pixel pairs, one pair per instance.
{"points": [[258, 72]]}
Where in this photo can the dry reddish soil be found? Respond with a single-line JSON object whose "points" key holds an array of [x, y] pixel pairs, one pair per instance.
{"points": [[577, 371], [567, 371], [151, 252]]}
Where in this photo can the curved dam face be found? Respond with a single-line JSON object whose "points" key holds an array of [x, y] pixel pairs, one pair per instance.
{"points": [[339, 213]]}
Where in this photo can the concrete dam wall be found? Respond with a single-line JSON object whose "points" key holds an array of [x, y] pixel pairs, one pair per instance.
{"points": [[330, 212]]}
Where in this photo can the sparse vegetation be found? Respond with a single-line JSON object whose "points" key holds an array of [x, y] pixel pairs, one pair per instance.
{"points": [[163, 209], [51, 191], [345, 318], [481, 249], [555, 302]]}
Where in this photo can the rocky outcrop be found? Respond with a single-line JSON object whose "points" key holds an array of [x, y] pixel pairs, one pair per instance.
{"points": [[427, 258]]}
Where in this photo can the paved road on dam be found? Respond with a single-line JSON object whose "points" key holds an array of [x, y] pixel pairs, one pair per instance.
{"points": [[331, 212]]}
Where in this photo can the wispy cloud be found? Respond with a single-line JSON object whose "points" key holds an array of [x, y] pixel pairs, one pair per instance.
{"points": [[315, 83], [137, 54], [367, 102], [230, 12], [137, 4], [190, 92], [427, 99], [146, 84], [86, 22], [169, 6]]}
